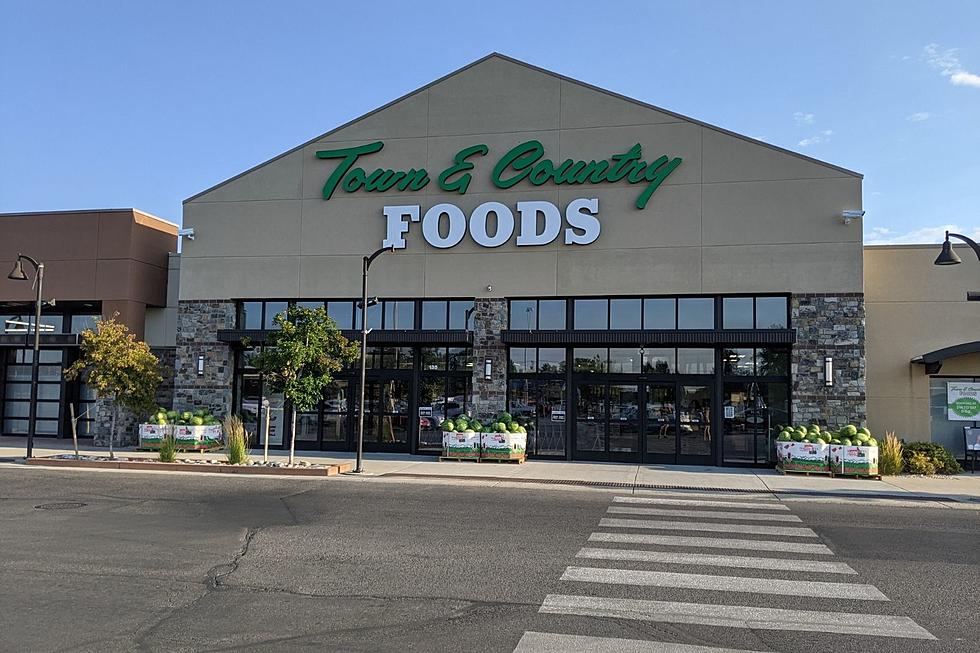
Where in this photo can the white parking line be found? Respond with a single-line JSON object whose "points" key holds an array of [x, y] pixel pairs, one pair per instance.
{"points": [[712, 583], [712, 543], [754, 505], [681, 494], [734, 616], [707, 514], [740, 562], [532, 642], [716, 528]]}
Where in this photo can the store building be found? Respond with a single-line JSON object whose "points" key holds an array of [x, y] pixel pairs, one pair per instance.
{"points": [[640, 285], [111, 262]]}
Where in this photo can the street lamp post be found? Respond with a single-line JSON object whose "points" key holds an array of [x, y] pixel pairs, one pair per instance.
{"points": [[366, 265], [948, 257], [17, 274]]}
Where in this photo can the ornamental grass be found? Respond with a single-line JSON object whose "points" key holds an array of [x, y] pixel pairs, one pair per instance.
{"points": [[237, 440]]}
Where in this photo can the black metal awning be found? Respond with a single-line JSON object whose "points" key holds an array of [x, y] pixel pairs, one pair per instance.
{"points": [[934, 359], [652, 337], [457, 337]]}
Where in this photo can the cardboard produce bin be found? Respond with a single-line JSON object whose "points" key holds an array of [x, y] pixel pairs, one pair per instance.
{"points": [[853, 460], [198, 437], [503, 446], [803, 456], [152, 435], [460, 445]]}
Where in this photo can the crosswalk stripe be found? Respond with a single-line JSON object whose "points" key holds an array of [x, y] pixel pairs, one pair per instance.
{"points": [[788, 531], [740, 562], [533, 642], [734, 616], [711, 543], [711, 583], [681, 494], [707, 514], [755, 505]]}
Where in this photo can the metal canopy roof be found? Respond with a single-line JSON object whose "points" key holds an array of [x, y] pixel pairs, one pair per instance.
{"points": [[934, 359]]}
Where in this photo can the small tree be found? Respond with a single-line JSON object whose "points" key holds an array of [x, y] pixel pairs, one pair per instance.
{"points": [[302, 357], [119, 367]]}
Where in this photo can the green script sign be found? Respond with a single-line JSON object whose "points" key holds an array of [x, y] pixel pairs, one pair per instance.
{"points": [[525, 162]]}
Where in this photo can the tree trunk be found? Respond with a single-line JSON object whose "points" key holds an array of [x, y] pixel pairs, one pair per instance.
{"points": [[112, 430], [292, 436]]}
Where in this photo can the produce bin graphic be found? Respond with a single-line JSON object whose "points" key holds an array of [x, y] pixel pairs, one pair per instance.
{"points": [[152, 435], [803, 456], [849, 460], [503, 446], [460, 445], [198, 437]]}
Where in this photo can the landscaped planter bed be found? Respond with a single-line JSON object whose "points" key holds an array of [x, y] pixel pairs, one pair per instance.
{"points": [[212, 466]]}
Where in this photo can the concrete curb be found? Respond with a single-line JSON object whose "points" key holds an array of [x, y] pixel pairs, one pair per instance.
{"points": [[156, 466]]}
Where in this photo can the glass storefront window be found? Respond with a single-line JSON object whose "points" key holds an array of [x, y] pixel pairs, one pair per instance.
{"points": [[250, 315], [624, 360], [659, 361], [433, 358], [695, 313], [770, 313], [307, 427], [737, 312], [591, 314], [81, 323], [738, 362], [341, 313], [374, 358], [374, 315], [524, 314], [659, 313], [551, 360], [695, 361], [272, 309], [434, 315], [460, 359], [943, 430], [551, 314], [625, 313], [772, 362], [399, 315], [310, 305], [523, 360], [461, 314], [590, 359]]}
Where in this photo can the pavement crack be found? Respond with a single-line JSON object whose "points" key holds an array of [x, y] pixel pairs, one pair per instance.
{"points": [[214, 579]]}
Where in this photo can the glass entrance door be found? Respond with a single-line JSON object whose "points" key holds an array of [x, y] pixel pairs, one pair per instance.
{"points": [[678, 429], [386, 416], [608, 421]]}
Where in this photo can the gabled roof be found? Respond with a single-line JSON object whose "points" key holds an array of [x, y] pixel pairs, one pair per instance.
{"points": [[497, 55]]}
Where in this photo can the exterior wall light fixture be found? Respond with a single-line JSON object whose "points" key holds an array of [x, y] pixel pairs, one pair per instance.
{"points": [[487, 369], [828, 371], [847, 216], [200, 365]]}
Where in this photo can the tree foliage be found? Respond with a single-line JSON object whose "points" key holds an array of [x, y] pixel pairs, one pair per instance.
{"points": [[117, 365], [304, 354]]}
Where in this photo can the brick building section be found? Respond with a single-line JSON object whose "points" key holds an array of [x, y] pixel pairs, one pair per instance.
{"points": [[829, 325], [489, 321], [198, 322]]}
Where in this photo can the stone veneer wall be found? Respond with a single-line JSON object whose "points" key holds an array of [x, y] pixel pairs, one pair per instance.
{"points": [[168, 370], [829, 325], [198, 322], [489, 320], [127, 428]]}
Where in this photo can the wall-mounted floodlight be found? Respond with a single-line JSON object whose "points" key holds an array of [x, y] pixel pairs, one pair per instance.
{"points": [[847, 216], [186, 233]]}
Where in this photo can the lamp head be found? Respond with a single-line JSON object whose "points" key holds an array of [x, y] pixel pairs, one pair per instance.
{"points": [[17, 274], [947, 256]]}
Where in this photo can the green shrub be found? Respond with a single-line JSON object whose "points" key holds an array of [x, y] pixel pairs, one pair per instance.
{"points": [[942, 460], [168, 449], [237, 440], [890, 461], [920, 463]]}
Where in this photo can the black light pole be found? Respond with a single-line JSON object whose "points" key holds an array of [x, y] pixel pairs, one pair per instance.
{"points": [[17, 274], [366, 265], [948, 257]]}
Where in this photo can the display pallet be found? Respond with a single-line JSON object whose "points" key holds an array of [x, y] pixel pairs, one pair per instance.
{"points": [[518, 461], [187, 449], [867, 477], [474, 459], [805, 472]]}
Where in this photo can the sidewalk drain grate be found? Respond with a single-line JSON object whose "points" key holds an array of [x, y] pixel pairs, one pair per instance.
{"points": [[65, 505]]}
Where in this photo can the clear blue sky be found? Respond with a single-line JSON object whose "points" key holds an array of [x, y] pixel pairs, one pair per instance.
{"points": [[138, 103]]}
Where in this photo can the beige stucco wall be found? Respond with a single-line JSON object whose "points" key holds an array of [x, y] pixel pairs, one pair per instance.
{"points": [[914, 307], [161, 323], [736, 216]]}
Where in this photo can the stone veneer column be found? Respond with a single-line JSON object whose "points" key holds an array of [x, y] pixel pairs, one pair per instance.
{"points": [[198, 322], [829, 325], [126, 429], [489, 319]]}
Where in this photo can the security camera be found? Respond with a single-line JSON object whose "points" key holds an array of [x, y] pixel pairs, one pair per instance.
{"points": [[186, 233], [489, 288], [847, 216]]}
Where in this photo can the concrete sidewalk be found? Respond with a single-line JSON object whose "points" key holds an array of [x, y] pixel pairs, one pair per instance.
{"points": [[964, 488]]}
